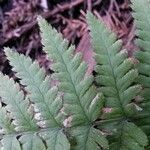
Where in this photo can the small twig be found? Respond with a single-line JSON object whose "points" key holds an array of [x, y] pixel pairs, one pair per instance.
{"points": [[97, 15], [89, 5], [62, 8], [97, 2]]}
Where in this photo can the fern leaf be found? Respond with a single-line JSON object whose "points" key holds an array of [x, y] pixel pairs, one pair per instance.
{"points": [[81, 100], [25, 134], [38, 85], [88, 138], [31, 141], [131, 138], [55, 140], [10, 143], [14, 99], [116, 75], [26, 142], [49, 139], [18, 107], [141, 15], [115, 72]]}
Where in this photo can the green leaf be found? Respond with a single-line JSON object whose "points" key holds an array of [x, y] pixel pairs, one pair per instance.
{"points": [[47, 100], [49, 139], [81, 100], [87, 138], [16, 105], [131, 137], [32, 142], [10, 143], [115, 72], [42, 94], [55, 140], [141, 14]]}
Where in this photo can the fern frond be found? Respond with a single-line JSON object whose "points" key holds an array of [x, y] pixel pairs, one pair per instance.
{"points": [[116, 76], [81, 100], [142, 21], [115, 72], [74, 108], [30, 141], [38, 85], [141, 15], [16, 105], [88, 138], [55, 140], [23, 132], [131, 137], [19, 110], [10, 143]]}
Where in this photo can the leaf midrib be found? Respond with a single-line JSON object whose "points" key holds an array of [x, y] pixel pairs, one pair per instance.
{"points": [[71, 80], [114, 77], [51, 115]]}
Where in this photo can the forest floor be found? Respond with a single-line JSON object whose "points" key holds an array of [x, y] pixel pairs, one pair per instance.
{"points": [[19, 30]]}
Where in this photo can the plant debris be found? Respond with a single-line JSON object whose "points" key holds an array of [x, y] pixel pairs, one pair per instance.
{"points": [[19, 28]]}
